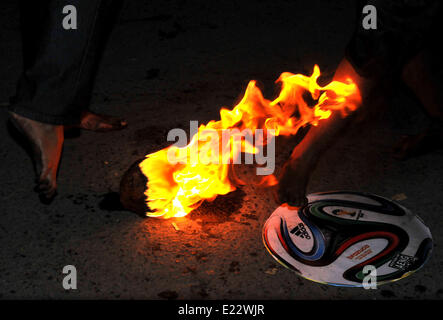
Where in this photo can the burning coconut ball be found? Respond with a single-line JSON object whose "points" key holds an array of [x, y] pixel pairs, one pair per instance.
{"points": [[158, 187], [132, 189]]}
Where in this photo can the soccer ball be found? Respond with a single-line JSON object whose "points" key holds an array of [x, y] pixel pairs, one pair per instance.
{"points": [[332, 238]]}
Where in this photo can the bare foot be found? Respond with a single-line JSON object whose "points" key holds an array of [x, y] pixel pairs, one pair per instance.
{"points": [[292, 184], [100, 123], [46, 141], [419, 144]]}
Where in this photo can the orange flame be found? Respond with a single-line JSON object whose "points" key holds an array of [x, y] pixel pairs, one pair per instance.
{"points": [[201, 169]]}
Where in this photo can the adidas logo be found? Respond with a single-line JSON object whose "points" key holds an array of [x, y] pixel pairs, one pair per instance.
{"points": [[300, 231]]}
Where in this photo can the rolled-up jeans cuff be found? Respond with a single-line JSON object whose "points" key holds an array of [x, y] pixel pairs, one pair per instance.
{"points": [[45, 118]]}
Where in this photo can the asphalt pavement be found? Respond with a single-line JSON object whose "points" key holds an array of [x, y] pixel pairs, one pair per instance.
{"points": [[169, 62]]}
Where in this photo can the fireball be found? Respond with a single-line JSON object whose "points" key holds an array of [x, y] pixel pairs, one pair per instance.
{"points": [[179, 179]]}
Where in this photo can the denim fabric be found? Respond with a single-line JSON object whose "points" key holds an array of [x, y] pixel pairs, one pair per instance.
{"points": [[59, 66]]}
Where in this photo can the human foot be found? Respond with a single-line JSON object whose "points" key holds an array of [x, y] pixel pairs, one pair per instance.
{"points": [[100, 123], [292, 184], [46, 141], [419, 144]]}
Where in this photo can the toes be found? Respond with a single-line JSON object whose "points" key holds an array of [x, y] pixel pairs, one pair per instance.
{"points": [[114, 124], [47, 141], [42, 187], [46, 190], [400, 151], [101, 123], [121, 123], [47, 199]]}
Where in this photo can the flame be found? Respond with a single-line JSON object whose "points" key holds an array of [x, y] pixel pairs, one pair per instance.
{"points": [[199, 173]]}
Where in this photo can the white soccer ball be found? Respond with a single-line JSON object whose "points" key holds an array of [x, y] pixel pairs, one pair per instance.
{"points": [[333, 237]]}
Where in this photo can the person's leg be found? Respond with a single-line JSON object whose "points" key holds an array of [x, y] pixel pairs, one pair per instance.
{"points": [[305, 156], [46, 143], [423, 75], [371, 55], [59, 66], [297, 170], [106, 18]]}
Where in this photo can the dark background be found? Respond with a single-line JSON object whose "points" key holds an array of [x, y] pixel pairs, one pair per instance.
{"points": [[169, 62]]}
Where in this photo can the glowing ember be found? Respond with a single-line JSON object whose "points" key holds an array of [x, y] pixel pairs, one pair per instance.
{"points": [[200, 170]]}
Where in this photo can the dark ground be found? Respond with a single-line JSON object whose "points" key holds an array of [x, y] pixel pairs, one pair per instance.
{"points": [[169, 62]]}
